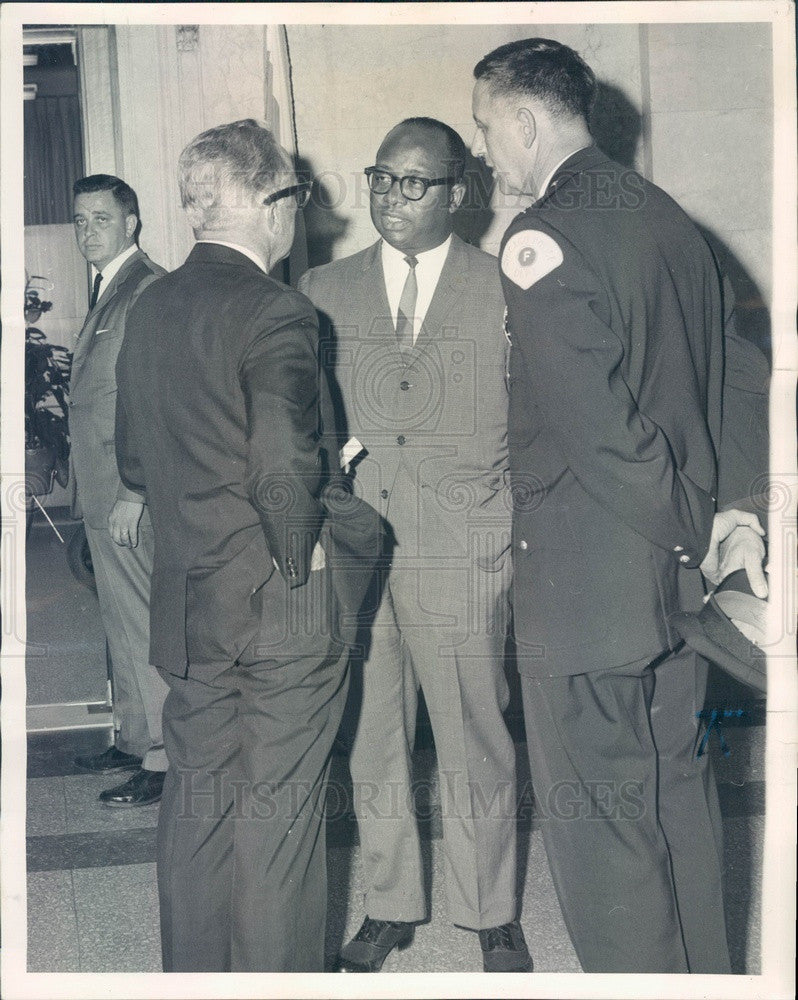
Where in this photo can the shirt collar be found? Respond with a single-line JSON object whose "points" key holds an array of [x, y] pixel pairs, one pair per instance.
{"points": [[244, 250], [113, 266], [392, 257], [550, 178]]}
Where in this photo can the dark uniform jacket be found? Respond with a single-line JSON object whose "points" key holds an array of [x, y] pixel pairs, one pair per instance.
{"points": [[218, 420], [616, 313]]}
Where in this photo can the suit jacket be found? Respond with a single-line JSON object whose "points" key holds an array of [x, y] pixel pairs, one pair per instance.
{"points": [[92, 394], [616, 310], [433, 421], [218, 420]]}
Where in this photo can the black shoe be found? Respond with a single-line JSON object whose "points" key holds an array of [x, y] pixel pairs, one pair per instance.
{"points": [[372, 944], [142, 789], [504, 949], [109, 760]]}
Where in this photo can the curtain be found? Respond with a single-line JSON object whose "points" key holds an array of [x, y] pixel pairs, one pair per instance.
{"points": [[53, 158]]}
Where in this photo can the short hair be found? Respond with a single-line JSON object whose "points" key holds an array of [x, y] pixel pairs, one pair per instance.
{"points": [[455, 147], [123, 193], [225, 166], [544, 69]]}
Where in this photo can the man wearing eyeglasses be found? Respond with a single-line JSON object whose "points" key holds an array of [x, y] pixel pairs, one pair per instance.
{"points": [[414, 325], [218, 410]]}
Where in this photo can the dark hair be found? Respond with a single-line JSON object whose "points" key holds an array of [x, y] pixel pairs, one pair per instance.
{"points": [[455, 147], [124, 195], [544, 69]]}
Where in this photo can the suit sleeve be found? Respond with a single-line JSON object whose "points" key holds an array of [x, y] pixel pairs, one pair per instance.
{"points": [[285, 468], [131, 479], [571, 360], [744, 440], [333, 431], [128, 452]]}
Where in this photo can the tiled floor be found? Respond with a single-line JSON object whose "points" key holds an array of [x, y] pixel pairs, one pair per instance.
{"points": [[92, 900]]}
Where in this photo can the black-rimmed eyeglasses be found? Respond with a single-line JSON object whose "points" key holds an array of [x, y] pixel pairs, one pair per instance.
{"points": [[412, 188], [301, 193]]}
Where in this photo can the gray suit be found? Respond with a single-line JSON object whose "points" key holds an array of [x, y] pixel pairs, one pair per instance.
{"points": [[122, 574], [433, 422]]}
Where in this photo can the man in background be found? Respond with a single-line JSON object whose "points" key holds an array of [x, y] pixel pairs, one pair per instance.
{"points": [[118, 528], [218, 419], [616, 310], [412, 327]]}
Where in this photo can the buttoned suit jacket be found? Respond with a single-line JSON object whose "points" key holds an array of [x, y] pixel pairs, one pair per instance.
{"points": [[218, 418], [432, 420], [95, 481], [616, 373]]}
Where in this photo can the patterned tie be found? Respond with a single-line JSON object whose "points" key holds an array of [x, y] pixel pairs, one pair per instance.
{"points": [[95, 292], [407, 307]]}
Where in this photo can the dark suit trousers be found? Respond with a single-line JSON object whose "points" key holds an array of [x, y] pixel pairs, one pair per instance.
{"points": [[241, 840], [630, 815]]}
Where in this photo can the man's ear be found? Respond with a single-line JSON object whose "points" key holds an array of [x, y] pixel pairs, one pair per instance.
{"points": [[527, 125], [273, 223], [131, 222], [456, 195]]}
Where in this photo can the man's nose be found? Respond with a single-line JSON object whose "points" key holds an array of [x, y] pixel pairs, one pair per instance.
{"points": [[394, 194], [478, 145]]}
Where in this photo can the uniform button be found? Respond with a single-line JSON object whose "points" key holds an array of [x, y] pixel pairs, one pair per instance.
{"points": [[685, 558], [678, 548], [404, 386], [523, 544], [384, 494], [401, 439]]}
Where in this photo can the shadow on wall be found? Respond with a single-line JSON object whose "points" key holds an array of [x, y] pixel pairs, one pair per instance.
{"points": [[325, 223], [751, 310], [616, 124]]}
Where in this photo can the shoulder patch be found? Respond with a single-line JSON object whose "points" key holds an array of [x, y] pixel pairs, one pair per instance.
{"points": [[530, 256]]}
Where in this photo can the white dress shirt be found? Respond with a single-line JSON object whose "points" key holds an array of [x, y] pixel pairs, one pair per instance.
{"points": [[428, 272], [111, 268]]}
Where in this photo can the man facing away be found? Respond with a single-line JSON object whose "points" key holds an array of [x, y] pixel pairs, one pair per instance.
{"points": [[118, 528], [616, 312], [219, 422], [413, 328]]}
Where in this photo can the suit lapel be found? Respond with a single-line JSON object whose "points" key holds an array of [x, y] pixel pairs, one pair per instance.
{"points": [[374, 305], [94, 317], [453, 278]]}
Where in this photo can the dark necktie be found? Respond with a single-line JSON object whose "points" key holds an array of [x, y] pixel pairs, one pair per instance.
{"points": [[95, 292], [407, 307]]}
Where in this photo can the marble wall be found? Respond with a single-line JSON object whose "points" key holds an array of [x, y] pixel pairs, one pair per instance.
{"points": [[691, 105], [167, 84]]}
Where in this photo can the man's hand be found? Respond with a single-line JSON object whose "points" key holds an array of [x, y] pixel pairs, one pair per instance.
{"points": [[736, 543], [123, 522]]}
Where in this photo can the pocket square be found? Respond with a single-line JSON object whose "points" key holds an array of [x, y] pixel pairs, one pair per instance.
{"points": [[106, 329]]}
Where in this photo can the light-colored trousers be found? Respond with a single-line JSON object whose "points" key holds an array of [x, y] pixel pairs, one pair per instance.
{"points": [[123, 576], [441, 628]]}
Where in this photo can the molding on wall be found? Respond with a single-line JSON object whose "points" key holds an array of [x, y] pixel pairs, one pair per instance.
{"points": [[187, 37], [647, 166], [97, 61]]}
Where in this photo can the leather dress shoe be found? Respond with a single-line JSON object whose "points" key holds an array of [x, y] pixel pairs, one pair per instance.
{"points": [[142, 789], [372, 944], [504, 949], [109, 760]]}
